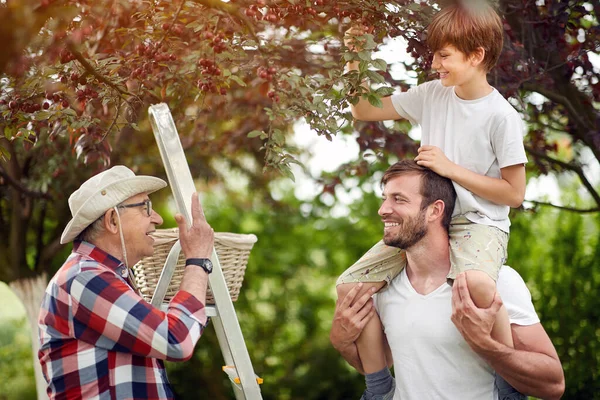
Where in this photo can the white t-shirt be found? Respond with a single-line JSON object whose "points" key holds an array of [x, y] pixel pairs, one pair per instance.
{"points": [[431, 358], [481, 135]]}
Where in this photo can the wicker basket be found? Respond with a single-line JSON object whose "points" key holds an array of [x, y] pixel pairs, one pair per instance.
{"points": [[233, 250]]}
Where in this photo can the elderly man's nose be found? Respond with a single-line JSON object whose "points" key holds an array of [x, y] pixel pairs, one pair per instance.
{"points": [[156, 218]]}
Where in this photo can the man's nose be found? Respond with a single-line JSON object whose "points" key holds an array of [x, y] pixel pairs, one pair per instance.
{"points": [[156, 219], [384, 209]]}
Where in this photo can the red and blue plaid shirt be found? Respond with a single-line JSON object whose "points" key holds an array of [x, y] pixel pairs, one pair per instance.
{"points": [[100, 340]]}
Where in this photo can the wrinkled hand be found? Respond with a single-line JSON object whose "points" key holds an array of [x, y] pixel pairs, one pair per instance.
{"points": [[433, 158], [196, 241], [351, 316], [474, 324]]}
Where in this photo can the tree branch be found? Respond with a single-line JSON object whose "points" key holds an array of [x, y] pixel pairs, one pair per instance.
{"points": [[91, 70], [577, 210], [571, 167], [22, 188]]}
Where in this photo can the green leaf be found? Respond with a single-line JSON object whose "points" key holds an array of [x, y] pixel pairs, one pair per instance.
{"points": [[278, 137], [254, 134], [375, 77], [237, 80], [380, 64], [4, 153], [364, 55], [385, 91], [285, 169], [375, 101], [9, 132], [135, 126]]}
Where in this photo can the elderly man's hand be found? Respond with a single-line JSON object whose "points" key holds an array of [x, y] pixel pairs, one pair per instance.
{"points": [[474, 324], [198, 240], [351, 316]]}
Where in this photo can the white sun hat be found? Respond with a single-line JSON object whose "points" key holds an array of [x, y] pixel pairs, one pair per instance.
{"points": [[103, 192]]}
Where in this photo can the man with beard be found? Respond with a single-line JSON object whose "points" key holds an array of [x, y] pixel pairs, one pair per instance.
{"points": [[440, 342]]}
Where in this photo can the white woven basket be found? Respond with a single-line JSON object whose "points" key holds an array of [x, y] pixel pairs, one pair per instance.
{"points": [[233, 250]]}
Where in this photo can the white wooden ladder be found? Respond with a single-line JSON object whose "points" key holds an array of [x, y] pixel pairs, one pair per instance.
{"points": [[238, 365]]}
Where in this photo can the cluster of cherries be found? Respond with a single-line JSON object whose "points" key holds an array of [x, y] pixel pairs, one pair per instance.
{"points": [[210, 69], [217, 42], [266, 73], [274, 14], [66, 56]]}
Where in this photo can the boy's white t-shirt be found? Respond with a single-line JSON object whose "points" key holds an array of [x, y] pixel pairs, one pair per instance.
{"points": [[431, 358], [481, 135]]}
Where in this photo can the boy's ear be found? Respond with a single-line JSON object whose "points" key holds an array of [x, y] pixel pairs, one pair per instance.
{"points": [[477, 56]]}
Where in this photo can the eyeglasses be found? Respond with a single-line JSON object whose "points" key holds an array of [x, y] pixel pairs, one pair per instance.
{"points": [[147, 203]]}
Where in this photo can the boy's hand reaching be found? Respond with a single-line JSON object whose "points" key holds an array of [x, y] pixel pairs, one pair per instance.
{"points": [[350, 36], [434, 159]]}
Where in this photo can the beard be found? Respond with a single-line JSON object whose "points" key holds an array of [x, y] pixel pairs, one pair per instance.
{"points": [[411, 231]]}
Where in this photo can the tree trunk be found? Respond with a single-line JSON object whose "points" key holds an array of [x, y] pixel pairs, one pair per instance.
{"points": [[30, 291]]}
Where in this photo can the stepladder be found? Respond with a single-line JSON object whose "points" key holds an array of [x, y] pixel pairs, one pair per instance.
{"points": [[238, 365]]}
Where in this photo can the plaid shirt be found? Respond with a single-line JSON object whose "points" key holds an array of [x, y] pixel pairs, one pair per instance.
{"points": [[101, 340]]}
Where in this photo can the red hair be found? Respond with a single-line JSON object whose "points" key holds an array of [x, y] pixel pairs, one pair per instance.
{"points": [[468, 27]]}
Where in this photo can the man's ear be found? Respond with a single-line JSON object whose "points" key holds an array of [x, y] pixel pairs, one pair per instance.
{"points": [[477, 56], [110, 221], [436, 210]]}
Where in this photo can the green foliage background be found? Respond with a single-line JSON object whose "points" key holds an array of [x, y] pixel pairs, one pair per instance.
{"points": [[287, 301]]}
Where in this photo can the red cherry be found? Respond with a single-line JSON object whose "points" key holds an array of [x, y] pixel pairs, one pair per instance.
{"points": [[165, 26], [65, 103], [12, 105], [46, 106], [223, 91]]}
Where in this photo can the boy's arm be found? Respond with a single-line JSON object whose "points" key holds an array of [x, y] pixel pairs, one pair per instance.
{"points": [[508, 190], [363, 110]]}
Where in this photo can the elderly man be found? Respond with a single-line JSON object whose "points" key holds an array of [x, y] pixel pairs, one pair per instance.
{"points": [[440, 343], [99, 338]]}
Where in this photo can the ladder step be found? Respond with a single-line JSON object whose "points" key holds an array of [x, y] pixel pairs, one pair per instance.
{"points": [[233, 376]]}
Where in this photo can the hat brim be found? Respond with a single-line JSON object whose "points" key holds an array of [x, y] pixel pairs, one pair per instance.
{"points": [[106, 198]]}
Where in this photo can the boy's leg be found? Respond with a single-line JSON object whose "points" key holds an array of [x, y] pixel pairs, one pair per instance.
{"points": [[374, 269], [371, 342], [480, 251], [483, 289]]}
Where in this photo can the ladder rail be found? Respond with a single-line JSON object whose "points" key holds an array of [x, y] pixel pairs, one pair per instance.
{"points": [[182, 184]]}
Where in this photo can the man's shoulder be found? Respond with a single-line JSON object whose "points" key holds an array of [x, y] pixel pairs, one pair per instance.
{"points": [[511, 284], [509, 274]]}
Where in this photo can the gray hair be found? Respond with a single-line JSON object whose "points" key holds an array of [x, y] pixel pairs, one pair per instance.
{"points": [[92, 231]]}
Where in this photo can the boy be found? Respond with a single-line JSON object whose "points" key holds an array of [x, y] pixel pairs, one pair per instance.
{"points": [[471, 135]]}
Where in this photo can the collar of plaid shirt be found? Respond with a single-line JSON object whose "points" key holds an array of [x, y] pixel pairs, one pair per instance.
{"points": [[100, 339]]}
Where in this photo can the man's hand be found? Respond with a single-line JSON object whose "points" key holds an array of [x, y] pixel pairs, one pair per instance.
{"points": [[351, 316], [474, 324], [434, 159], [198, 240]]}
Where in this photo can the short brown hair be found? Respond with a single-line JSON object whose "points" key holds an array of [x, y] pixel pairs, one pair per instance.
{"points": [[433, 186], [468, 27]]}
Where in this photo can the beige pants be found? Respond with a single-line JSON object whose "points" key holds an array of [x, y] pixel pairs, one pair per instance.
{"points": [[472, 247]]}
